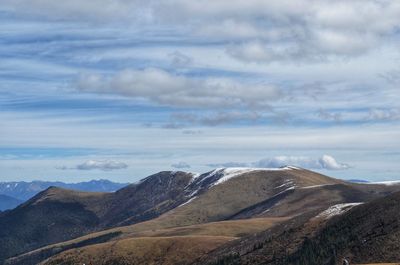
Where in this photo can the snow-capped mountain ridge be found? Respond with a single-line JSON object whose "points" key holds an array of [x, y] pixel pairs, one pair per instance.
{"points": [[208, 180]]}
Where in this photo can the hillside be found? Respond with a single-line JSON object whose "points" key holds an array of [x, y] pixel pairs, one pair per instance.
{"points": [[151, 251], [53, 215], [365, 234], [56, 214], [8, 202], [176, 203], [219, 232]]}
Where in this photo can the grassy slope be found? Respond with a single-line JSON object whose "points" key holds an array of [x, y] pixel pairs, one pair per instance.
{"points": [[17, 235], [150, 250], [217, 230], [222, 201], [368, 233], [57, 215]]}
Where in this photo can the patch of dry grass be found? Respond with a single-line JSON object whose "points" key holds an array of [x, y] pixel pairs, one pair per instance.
{"points": [[145, 250], [235, 228]]}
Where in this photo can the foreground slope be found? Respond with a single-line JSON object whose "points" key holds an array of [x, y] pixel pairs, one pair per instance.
{"points": [[150, 251], [219, 195], [365, 233], [221, 232]]}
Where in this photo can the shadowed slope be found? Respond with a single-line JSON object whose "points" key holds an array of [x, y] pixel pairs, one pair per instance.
{"points": [[56, 214]]}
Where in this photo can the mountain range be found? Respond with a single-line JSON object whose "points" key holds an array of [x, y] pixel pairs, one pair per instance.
{"points": [[7, 202], [286, 215], [16, 192]]}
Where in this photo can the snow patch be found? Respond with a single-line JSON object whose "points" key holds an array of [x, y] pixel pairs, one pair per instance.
{"points": [[337, 209], [316, 186], [279, 193], [229, 173], [288, 182], [190, 200], [292, 167]]}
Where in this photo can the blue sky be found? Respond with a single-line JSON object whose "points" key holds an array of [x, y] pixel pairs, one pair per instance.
{"points": [[122, 89]]}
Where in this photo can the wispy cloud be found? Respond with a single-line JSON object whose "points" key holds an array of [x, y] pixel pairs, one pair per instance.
{"points": [[392, 114], [105, 165]]}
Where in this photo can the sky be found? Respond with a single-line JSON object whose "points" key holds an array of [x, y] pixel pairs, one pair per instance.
{"points": [[121, 89]]}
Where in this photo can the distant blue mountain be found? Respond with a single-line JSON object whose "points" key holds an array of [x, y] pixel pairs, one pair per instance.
{"points": [[7, 202], [22, 190], [358, 181]]}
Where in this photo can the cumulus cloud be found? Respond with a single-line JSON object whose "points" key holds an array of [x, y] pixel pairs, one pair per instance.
{"points": [[324, 162], [164, 88], [330, 163], [105, 165], [180, 165]]}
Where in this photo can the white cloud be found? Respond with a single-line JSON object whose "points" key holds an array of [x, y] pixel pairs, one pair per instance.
{"points": [[330, 163], [305, 29], [324, 162], [161, 87], [105, 165]]}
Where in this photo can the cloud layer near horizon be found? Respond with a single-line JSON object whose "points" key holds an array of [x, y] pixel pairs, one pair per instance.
{"points": [[324, 162], [105, 165]]}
